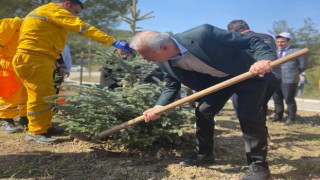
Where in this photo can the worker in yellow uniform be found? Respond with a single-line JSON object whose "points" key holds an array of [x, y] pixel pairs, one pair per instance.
{"points": [[42, 38], [13, 95]]}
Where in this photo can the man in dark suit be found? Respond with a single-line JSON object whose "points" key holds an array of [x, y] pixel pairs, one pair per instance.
{"points": [[273, 81], [202, 57]]}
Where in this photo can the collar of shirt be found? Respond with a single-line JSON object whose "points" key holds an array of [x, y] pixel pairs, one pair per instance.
{"points": [[285, 49], [181, 49]]}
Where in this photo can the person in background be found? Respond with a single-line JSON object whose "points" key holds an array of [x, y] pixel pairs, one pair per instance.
{"points": [[200, 58], [107, 78], [273, 82], [13, 95], [302, 81], [65, 61], [42, 39], [290, 77]]}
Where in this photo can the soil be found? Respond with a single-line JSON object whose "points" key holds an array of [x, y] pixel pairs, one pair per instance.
{"points": [[293, 154]]}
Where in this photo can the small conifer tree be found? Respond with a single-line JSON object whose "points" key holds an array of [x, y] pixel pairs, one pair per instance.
{"points": [[90, 109]]}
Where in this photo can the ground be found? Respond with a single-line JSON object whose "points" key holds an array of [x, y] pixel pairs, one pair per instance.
{"points": [[294, 154]]}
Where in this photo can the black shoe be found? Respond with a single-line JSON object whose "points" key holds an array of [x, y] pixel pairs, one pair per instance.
{"points": [[197, 160], [53, 131], [289, 122], [276, 119], [9, 127], [257, 172], [23, 121]]}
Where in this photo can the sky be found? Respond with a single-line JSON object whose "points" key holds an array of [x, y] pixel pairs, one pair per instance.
{"points": [[180, 15]]}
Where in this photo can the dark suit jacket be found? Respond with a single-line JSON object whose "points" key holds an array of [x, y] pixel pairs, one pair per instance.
{"points": [[291, 70], [218, 48], [270, 41]]}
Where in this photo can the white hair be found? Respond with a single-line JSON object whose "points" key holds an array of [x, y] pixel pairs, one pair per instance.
{"points": [[151, 39]]}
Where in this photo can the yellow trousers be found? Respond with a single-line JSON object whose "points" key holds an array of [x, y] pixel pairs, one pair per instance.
{"points": [[13, 95], [36, 71], [14, 105]]}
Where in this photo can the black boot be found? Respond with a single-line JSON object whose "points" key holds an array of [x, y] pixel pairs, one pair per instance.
{"points": [[197, 160], [276, 119], [8, 126], [23, 121]]}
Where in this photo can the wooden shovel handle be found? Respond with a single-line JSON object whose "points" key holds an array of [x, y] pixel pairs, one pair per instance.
{"points": [[200, 94]]}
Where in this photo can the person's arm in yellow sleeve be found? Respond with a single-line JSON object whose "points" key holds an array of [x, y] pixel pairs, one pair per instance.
{"points": [[73, 23]]}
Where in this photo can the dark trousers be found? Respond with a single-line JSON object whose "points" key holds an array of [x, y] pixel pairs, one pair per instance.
{"points": [[250, 99], [57, 79], [287, 92], [272, 85]]}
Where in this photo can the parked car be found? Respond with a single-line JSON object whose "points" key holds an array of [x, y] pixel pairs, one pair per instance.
{"points": [[77, 68]]}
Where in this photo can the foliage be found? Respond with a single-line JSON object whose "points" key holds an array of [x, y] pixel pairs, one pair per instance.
{"points": [[90, 110], [281, 26], [135, 17], [311, 88], [18, 8], [309, 36], [104, 13], [132, 69]]}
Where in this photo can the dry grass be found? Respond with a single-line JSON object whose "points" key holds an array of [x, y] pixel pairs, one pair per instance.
{"points": [[294, 155]]}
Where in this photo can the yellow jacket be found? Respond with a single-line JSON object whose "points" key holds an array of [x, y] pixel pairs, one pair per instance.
{"points": [[45, 30], [9, 36]]}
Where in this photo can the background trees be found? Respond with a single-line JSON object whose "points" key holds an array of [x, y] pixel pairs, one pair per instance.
{"points": [[16, 8]]}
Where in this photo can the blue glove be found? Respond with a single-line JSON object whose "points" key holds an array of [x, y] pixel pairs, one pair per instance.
{"points": [[122, 45]]}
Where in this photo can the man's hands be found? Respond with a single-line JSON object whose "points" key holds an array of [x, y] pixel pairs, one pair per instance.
{"points": [[150, 115], [122, 45], [260, 67]]}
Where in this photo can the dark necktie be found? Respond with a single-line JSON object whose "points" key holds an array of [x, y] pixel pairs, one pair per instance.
{"points": [[280, 54]]}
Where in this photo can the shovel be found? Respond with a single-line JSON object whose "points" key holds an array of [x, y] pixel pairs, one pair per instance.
{"points": [[199, 94]]}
